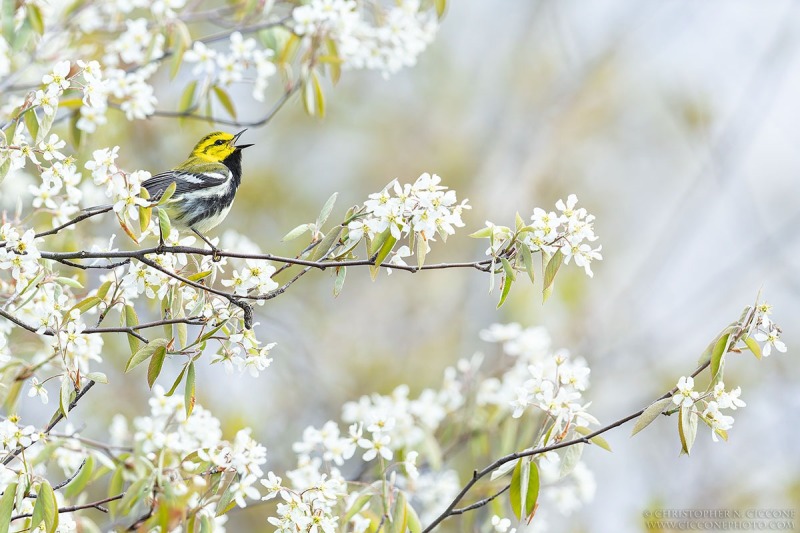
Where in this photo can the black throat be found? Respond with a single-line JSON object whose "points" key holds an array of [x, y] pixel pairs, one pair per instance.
{"points": [[234, 163]]}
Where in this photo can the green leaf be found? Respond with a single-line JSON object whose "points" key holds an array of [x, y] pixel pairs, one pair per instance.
{"points": [[5, 166], [164, 225], [341, 274], [358, 504], [650, 414], [326, 210], [335, 64], [177, 382], [188, 393], [483, 233], [102, 290], [388, 244], [687, 428], [422, 250], [138, 490], [35, 18], [144, 353], [45, 510], [296, 232], [197, 276], [308, 97], [7, 506], [80, 481], [31, 122], [527, 262], [319, 96], [441, 7], [400, 515], [182, 39], [156, 363], [145, 215], [87, 304], [718, 358], [597, 440], [75, 284], [532, 494], [754, 347], [98, 377], [553, 264], [414, 524], [328, 242], [225, 99], [65, 394], [115, 487], [507, 281], [187, 98], [378, 241], [168, 192], [45, 123], [226, 502], [572, 455], [131, 320], [515, 491]]}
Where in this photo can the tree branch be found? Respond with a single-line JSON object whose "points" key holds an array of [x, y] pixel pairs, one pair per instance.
{"points": [[71, 509], [58, 417]]}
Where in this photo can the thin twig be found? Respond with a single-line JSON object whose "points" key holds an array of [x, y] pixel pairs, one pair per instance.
{"points": [[72, 508], [58, 417]]}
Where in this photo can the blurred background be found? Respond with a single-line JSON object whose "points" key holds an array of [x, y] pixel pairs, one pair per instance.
{"points": [[676, 123]]}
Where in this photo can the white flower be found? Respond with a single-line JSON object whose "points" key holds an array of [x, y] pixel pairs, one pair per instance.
{"points": [[717, 420], [57, 80], [50, 149], [771, 340], [686, 395], [378, 445], [37, 389]]}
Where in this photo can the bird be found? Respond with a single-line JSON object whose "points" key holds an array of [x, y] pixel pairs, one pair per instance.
{"points": [[205, 184]]}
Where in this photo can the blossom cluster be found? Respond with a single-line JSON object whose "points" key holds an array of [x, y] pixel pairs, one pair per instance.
{"points": [[569, 230], [545, 385], [423, 209], [386, 41], [221, 68]]}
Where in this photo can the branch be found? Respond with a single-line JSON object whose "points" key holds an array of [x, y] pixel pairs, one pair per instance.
{"points": [[189, 114], [58, 417], [478, 474], [71, 509], [482, 265]]}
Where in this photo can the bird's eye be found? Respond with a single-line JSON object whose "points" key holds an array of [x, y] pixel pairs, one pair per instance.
{"points": [[220, 142]]}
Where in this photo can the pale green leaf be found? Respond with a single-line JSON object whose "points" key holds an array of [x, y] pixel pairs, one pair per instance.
{"points": [[515, 490], [144, 353], [753, 346], [296, 232], [225, 99], [326, 210], [156, 363], [7, 506], [650, 414], [45, 510], [572, 455], [79, 482], [341, 274], [168, 192], [132, 320], [189, 392]]}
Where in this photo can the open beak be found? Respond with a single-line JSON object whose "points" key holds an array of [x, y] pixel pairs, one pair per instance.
{"points": [[236, 138]]}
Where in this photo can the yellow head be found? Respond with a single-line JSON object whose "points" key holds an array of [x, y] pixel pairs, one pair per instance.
{"points": [[218, 146]]}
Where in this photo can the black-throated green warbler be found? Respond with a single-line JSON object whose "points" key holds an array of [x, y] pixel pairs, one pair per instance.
{"points": [[206, 183]]}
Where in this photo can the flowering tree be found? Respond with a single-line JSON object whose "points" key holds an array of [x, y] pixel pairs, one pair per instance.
{"points": [[391, 463]]}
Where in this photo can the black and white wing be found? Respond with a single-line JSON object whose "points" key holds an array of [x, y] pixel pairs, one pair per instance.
{"points": [[185, 182]]}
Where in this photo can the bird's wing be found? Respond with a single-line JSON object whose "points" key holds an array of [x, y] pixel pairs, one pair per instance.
{"points": [[185, 181]]}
